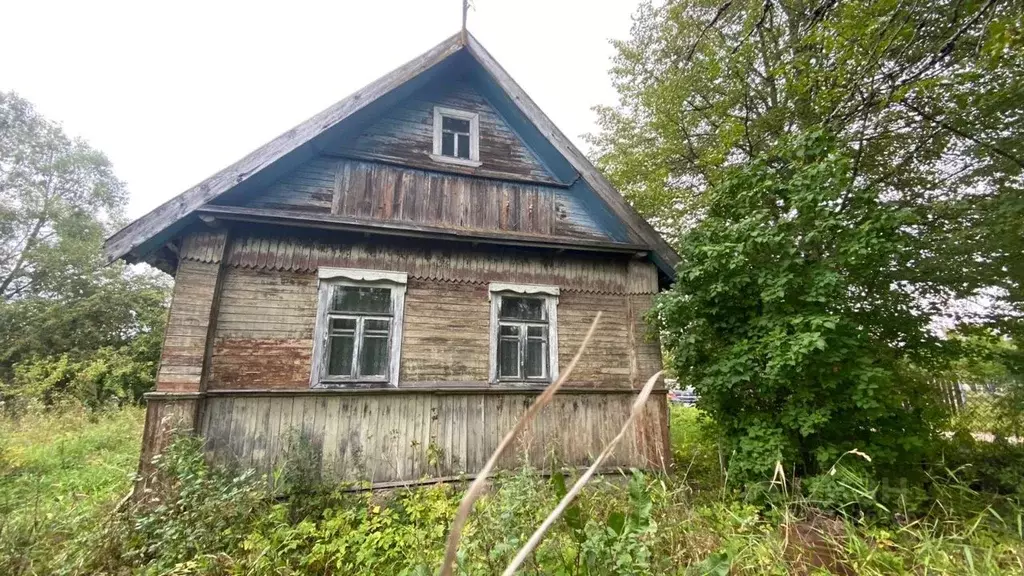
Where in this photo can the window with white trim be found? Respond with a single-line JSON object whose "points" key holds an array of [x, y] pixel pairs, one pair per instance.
{"points": [[456, 137], [524, 333], [358, 334]]}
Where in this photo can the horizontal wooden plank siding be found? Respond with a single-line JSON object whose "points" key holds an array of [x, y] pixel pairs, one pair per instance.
{"points": [[387, 438], [264, 337], [446, 332], [397, 194], [406, 134], [265, 327], [267, 312], [188, 320]]}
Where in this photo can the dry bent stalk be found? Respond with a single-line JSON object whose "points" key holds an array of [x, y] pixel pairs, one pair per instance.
{"points": [[466, 506], [638, 407]]}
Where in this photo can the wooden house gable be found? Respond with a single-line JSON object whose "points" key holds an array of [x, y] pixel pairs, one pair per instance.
{"points": [[370, 162], [383, 168]]}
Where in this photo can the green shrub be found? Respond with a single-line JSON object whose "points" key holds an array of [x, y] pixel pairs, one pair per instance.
{"points": [[788, 317], [695, 448], [195, 515], [67, 471]]}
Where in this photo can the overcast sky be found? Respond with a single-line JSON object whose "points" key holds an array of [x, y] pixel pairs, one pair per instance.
{"points": [[174, 91]]}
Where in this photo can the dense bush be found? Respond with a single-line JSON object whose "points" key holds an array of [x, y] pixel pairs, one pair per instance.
{"points": [[789, 318]]}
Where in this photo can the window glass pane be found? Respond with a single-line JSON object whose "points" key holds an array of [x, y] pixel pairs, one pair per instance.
{"points": [[448, 144], [535, 359], [359, 299], [505, 330], [508, 358], [376, 326], [340, 355], [518, 308], [343, 325], [373, 359], [463, 151], [449, 124], [537, 331]]}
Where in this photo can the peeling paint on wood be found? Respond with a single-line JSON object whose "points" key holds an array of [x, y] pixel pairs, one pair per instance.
{"points": [[406, 135], [265, 328], [373, 190]]}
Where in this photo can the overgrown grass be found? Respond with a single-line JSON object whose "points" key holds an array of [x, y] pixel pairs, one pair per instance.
{"points": [[63, 475]]}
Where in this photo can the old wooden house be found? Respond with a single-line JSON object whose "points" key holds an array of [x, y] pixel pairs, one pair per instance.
{"points": [[392, 282]]}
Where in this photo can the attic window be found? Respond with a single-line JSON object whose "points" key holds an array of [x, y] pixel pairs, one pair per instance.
{"points": [[456, 137]]}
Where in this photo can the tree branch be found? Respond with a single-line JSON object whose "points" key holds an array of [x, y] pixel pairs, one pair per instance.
{"points": [[700, 37], [949, 127]]}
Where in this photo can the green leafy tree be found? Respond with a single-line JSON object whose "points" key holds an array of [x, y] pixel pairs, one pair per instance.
{"points": [[925, 95], [69, 324], [785, 319], [835, 175]]}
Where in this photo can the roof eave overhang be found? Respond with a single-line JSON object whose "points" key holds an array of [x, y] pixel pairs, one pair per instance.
{"points": [[296, 219]]}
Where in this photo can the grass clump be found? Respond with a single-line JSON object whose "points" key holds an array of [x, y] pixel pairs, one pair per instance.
{"points": [[61, 476]]}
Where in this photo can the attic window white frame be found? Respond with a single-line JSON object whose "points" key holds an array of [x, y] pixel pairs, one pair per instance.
{"points": [[329, 278], [549, 294], [474, 137]]}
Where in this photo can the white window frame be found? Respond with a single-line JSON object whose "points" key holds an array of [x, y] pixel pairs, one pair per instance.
{"points": [[549, 294], [328, 279], [474, 136]]}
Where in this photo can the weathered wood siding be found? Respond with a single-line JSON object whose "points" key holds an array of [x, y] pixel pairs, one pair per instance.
{"points": [[398, 194], [166, 415], [405, 135], [390, 437], [601, 274], [241, 325], [267, 309], [264, 337], [188, 321]]}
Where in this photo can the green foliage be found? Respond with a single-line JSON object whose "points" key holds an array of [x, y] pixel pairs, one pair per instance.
{"points": [[695, 448], [992, 467], [56, 195], [990, 378], [706, 85], [63, 474], [792, 317], [193, 516], [71, 327], [835, 177]]}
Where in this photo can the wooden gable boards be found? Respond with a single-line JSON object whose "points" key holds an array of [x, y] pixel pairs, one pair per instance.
{"points": [[308, 139]]}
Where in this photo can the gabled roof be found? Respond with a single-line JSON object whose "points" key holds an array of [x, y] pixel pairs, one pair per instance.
{"points": [[148, 233]]}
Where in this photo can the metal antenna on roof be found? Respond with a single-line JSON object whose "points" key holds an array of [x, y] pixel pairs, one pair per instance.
{"points": [[465, 10]]}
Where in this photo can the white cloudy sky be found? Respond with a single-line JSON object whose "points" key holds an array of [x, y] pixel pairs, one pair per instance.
{"points": [[174, 91]]}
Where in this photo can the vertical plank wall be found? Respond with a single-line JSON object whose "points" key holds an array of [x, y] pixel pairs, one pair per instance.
{"points": [[376, 191], [389, 437]]}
